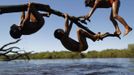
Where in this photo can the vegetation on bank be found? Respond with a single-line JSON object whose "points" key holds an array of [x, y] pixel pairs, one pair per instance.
{"points": [[108, 53]]}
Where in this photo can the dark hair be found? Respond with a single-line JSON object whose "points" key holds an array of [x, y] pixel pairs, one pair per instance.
{"points": [[15, 32], [59, 33]]}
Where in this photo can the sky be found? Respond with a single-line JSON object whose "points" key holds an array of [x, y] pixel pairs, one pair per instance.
{"points": [[43, 40]]}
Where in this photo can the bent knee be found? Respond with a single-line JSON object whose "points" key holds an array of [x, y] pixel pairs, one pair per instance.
{"points": [[115, 16], [79, 31]]}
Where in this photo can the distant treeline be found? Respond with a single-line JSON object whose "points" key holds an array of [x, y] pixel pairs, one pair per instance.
{"points": [[108, 53]]}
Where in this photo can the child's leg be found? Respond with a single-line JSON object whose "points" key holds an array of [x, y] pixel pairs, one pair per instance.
{"points": [[82, 35], [117, 29], [82, 40], [115, 8]]}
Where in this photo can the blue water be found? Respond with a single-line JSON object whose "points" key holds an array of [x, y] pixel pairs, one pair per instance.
{"points": [[112, 66]]}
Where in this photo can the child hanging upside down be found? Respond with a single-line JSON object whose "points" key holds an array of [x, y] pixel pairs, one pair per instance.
{"points": [[31, 23], [70, 43]]}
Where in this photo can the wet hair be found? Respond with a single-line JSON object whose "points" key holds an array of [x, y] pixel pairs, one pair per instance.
{"points": [[59, 33], [15, 32], [89, 2]]}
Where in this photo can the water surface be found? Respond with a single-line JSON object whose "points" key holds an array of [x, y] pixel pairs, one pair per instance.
{"points": [[112, 66]]}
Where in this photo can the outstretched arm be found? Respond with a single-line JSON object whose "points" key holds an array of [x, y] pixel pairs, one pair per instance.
{"points": [[22, 17], [29, 10], [92, 10], [68, 28], [27, 17], [67, 25]]}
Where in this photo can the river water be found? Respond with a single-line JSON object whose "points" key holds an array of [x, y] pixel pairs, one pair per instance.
{"points": [[112, 66]]}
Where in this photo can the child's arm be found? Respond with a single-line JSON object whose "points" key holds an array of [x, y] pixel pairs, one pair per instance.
{"points": [[92, 10], [68, 25]]}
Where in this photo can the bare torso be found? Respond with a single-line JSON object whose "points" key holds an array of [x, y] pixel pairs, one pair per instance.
{"points": [[70, 44], [32, 27]]}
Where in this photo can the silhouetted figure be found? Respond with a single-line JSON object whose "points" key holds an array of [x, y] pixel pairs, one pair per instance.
{"points": [[114, 5], [70, 43], [31, 23]]}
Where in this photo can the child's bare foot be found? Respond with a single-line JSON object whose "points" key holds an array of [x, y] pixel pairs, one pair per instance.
{"points": [[117, 32], [107, 34], [127, 31], [98, 35]]}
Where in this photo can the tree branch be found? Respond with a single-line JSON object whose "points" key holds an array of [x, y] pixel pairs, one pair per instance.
{"points": [[45, 8], [9, 44], [11, 54], [107, 34]]}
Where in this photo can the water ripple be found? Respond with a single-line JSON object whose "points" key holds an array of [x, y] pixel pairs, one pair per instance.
{"points": [[68, 67]]}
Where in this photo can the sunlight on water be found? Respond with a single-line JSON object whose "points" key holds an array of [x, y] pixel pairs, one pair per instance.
{"points": [[111, 66]]}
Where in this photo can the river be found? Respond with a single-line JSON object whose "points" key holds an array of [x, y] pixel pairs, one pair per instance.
{"points": [[105, 66]]}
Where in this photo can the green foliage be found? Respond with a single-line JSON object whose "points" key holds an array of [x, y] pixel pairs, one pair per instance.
{"points": [[131, 47], [55, 55], [108, 53]]}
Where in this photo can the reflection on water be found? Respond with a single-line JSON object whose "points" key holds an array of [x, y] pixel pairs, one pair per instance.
{"points": [[111, 66]]}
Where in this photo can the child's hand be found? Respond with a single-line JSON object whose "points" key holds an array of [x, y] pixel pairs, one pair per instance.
{"points": [[66, 15]]}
